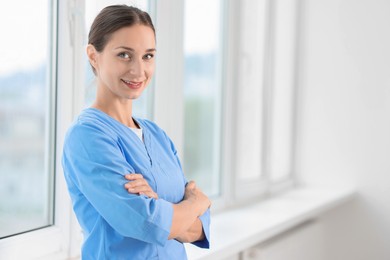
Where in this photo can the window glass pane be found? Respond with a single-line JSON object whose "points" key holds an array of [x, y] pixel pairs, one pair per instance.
{"points": [[283, 90], [143, 106], [25, 137], [202, 80]]}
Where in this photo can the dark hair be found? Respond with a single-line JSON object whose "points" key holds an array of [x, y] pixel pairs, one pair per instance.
{"points": [[112, 18]]}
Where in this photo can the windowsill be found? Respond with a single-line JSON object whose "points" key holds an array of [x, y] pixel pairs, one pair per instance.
{"points": [[236, 230]]}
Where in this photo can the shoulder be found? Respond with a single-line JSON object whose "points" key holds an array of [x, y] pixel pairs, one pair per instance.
{"points": [[88, 126], [151, 126], [156, 131]]}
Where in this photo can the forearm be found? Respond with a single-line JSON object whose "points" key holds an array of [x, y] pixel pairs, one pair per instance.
{"points": [[194, 233], [185, 213], [184, 217]]}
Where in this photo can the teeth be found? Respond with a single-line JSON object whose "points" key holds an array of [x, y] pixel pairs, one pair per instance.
{"points": [[129, 82]]}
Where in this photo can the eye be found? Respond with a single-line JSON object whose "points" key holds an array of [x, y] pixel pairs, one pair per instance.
{"points": [[124, 55], [148, 56]]}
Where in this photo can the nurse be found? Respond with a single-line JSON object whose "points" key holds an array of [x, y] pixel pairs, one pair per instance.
{"points": [[123, 174]]}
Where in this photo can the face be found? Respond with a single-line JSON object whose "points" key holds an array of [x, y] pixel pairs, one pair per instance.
{"points": [[126, 65]]}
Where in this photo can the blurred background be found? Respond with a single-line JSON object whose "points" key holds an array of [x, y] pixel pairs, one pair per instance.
{"points": [[260, 98]]}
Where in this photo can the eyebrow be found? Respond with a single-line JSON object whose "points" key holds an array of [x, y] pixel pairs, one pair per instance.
{"points": [[132, 50]]}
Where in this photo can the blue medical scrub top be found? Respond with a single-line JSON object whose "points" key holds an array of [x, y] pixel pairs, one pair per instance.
{"points": [[98, 152]]}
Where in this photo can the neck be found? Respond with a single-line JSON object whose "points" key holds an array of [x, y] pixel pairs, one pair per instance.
{"points": [[119, 109]]}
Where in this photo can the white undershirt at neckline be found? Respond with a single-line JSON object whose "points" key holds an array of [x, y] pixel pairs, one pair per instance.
{"points": [[138, 132]]}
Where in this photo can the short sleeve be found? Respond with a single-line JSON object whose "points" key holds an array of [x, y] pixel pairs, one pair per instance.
{"points": [[93, 162]]}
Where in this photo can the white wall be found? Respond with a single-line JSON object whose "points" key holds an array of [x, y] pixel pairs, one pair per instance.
{"points": [[301, 243], [344, 119]]}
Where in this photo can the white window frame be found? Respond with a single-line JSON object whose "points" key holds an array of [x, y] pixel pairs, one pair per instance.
{"points": [[255, 188], [264, 187], [169, 79], [54, 241], [274, 9]]}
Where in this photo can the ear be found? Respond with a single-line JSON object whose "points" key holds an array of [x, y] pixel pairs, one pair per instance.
{"points": [[92, 54]]}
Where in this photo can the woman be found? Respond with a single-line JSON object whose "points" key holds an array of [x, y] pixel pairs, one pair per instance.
{"points": [[125, 180]]}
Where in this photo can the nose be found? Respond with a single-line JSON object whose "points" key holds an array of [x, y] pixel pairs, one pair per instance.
{"points": [[137, 68]]}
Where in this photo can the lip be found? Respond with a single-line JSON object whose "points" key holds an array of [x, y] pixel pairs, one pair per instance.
{"points": [[132, 84]]}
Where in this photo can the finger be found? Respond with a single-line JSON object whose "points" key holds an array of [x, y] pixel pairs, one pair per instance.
{"points": [[134, 176], [139, 189], [145, 191], [149, 194], [191, 185], [136, 183]]}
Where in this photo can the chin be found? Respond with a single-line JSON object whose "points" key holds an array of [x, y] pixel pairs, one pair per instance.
{"points": [[135, 96]]}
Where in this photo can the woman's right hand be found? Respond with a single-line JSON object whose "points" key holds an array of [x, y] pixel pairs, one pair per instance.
{"points": [[197, 197]]}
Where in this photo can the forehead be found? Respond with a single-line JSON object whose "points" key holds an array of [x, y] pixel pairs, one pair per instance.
{"points": [[138, 37]]}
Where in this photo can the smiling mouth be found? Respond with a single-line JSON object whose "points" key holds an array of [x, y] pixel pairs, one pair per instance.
{"points": [[132, 84]]}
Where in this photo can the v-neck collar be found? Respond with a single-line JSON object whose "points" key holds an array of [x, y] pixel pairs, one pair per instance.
{"points": [[147, 144]]}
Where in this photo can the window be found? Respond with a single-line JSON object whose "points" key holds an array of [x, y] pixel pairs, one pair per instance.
{"points": [[224, 92], [249, 92], [26, 116], [283, 90], [251, 101], [239, 96], [265, 93], [202, 93]]}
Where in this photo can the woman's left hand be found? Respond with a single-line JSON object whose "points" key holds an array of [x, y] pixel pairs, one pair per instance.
{"points": [[138, 185]]}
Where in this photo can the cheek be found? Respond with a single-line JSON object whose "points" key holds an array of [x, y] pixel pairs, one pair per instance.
{"points": [[149, 69], [114, 69]]}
